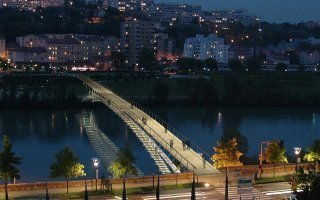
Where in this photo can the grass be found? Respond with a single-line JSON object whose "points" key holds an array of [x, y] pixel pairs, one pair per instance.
{"points": [[276, 179]]}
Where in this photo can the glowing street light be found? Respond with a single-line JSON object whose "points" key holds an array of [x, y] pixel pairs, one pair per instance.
{"points": [[297, 152], [96, 162]]}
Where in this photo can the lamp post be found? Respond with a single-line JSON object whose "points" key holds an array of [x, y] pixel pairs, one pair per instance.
{"points": [[226, 192], [96, 162], [261, 157], [297, 152]]}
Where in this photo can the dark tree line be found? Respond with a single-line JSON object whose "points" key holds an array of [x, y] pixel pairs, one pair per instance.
{"points": [[39, 91], [62, 20]]}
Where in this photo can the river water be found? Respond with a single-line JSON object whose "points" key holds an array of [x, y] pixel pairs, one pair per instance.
{"points": [[37, 135]]}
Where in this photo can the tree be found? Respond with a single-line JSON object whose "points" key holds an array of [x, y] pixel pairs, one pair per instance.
{"points": [[275, 153], [207, 91], [227, 154], [253, 63], [309, 183], [189, 64], [211, 64], [124, 164], [161, 91], [147, 59], [4, 65], [281, 67], [117, 60], [8, 162], [241, 139], [235, 64], [67, 165], [313, 154]]}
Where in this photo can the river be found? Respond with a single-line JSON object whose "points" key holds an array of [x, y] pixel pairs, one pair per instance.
{"points": [[37, 135]]}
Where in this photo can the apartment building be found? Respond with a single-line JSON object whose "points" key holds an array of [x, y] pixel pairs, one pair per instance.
{"points": [[170, 12], [91, 45], [30, 55], [166, 46], [231, 16], [30, 4], [111, 44], [135, 35], [129, 5], [2, 48], [201, 47], [61, 49]]}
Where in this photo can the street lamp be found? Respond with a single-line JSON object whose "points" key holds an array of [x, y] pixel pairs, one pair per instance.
{"points": [[96, 162], [297, 151], [261, 156]]}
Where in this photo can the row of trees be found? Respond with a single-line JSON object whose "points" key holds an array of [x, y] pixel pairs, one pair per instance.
{"points": [[66, 165], [233, 146], [28, 97], [252, 64], [68, 19], [309, 181]]}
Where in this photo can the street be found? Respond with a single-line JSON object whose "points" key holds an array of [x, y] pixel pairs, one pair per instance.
{"points": [[183, 194]]}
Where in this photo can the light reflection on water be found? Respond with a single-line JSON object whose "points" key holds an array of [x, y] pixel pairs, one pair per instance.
{"points": [[38, 135]]}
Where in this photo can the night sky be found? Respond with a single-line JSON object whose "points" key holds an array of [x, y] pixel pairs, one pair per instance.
{"points": [[279, 11]]}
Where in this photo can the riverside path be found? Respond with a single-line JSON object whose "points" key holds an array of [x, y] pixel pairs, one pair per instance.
{"points": [[190, 156]]}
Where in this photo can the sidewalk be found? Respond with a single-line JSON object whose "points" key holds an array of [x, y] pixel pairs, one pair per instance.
{"points": [[215, 180]]}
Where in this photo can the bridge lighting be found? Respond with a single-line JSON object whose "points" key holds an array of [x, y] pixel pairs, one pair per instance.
{"points": [[207, 185]]}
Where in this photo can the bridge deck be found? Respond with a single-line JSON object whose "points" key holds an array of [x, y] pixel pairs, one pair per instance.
{"points": [[187, 156]]}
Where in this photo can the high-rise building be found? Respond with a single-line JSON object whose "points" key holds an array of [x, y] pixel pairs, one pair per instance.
{"points": [[201, 47], [135, 35]]}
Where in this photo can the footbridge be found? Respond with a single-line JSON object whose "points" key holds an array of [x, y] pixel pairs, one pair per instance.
{"points": [[105, 148], [189, 155]]}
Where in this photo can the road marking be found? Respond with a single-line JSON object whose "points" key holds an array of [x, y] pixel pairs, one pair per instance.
{"points": [[234, 195], [268, 193], [170, 196]]}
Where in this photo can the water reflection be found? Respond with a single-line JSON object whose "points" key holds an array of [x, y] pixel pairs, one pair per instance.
{"points": [[37, 135]]}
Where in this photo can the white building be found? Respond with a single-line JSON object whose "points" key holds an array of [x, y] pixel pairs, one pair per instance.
{"points": [[170, 12], [127, 5], [235, 16], [201, 47]]}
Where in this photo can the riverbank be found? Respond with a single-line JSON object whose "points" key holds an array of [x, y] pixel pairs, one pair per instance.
{"points": [[221, 89]]}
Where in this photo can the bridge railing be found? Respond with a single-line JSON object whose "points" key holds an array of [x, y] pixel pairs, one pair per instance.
{"points": [[174, 131], [163, 142]]}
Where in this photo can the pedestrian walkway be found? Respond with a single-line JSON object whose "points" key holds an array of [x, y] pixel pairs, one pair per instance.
{"points": [[251, 194], [191, 158]]}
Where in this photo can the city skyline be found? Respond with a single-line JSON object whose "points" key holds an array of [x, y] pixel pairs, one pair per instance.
{"points": [[271, 11]]}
